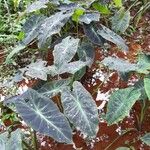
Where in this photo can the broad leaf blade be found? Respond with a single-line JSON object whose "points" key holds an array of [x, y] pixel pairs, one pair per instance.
{"points": [[37, 69], [14, 142], [143, 64], [81, 109], [90, 31], [119, 64], [43, 116], [52, 88], [86, 52], [72, 67], [120, 104], [31, 28], [147, 86], [146, 139], [51, 26], [120, 21], [111, 36], [65, 51]]}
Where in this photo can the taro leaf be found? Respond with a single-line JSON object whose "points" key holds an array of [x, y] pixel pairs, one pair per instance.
{"points": [[81, 109], [90, 31], [143, 64], [31, 28], [88, 18], [36, 70], [111, 36], [119, 64], [79, 74], [120, 104], [123, 148], [120, 21], [51, 26], [14, 51], [12, 141], [52, 88], [146, 139], [140, 86], [40, 113], [65, 51], [147, 86], [37, 5], [86, 52], [72, 67]]}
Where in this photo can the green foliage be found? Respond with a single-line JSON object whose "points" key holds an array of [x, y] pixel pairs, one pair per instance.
{"points": [[120, 21], [146, 139], [80, 108], [147, 86], [70, 31], [118, 3], [78, 12], [120, 104], [11, 141], [101, 8]]}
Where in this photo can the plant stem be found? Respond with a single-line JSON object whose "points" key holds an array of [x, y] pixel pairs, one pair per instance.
{"points": [[35, 144], [142, 115]]}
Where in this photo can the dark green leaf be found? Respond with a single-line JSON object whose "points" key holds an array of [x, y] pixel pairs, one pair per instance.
{"points": [[65, 51], [119, 64], [43, 116], [52, 25], [109, 35], [90, 31], [81, 109]]}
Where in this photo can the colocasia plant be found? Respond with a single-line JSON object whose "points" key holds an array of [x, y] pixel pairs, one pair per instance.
{"points": [[71, 30]]}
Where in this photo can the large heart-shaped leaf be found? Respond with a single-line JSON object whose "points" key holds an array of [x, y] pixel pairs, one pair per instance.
{"points": [[52, 88], [147, 86], [36, 70], [119, 64], [120, 104], [52, 25], [81, 109], [31, 28], [111, 36], [120, 21], [146, 139], [14, 142], [143, 64], [90, 31], [65, 51], [43, 116], [90, 17]]}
